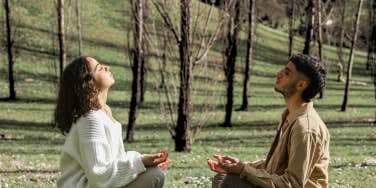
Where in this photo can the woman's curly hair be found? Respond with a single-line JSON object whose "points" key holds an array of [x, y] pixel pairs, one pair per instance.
{"points": [[77, 94]]}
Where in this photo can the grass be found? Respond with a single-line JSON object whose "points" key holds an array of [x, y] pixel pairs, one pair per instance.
{"points": [[31, 157]]}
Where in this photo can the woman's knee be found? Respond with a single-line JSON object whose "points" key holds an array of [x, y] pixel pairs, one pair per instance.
{"points": [[157, 176]]}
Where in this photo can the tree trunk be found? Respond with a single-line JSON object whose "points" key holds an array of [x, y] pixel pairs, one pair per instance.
{"points": [[291, 25], [341, 40], [61, 34], [12, 92], [371, 45], [310, 17], [136, 68], [248, 61], [319, 37], [79, 27], [231, 53], [182, 130], [349, 67], [144, 60]]}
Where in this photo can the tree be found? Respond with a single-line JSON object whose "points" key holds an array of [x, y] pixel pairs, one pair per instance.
{"points": [[181, 132], [138, 54], [351, 59], [341, 40], [12, 92], [319, 36], [371, 45], [248, 60], [143, 60], [61, 34], [310, 17], [230, 58], [79, 27], [291, 12]]}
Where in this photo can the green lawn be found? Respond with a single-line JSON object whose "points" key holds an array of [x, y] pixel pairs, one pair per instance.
{"points": [[31, 157]]}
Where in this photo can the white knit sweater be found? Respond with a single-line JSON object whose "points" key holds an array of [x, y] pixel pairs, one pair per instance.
{"points": [[93, 155]]}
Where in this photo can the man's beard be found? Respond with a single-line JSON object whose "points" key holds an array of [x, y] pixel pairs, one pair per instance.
{"points": [[288, 90]]}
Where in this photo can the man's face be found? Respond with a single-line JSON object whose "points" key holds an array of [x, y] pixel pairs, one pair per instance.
{"points": [[287, 79]]}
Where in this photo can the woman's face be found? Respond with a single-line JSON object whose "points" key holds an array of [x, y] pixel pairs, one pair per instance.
{"points": [[102, 75]]}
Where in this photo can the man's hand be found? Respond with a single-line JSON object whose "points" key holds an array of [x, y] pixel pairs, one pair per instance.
{"points": [[155, 159], [226, 164]]}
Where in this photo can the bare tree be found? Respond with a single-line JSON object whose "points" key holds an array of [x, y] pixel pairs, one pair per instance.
{"points": [[138, 54], [319, 28], [341, 40], [319, 36], [188, 58], [291, 12], [248, 60], [61, 34], [230, 58], [79, 27], [351, 59], [371, 45], [310, 17], [12, 92]]}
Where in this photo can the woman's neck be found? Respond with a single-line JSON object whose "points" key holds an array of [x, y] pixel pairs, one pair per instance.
{"points": [[102, 97]]}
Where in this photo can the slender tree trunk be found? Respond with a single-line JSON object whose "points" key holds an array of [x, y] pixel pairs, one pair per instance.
{"points": [[231, 53], [182, 130], [371, 45], [319, 37], [12, 91], [144, 60], [310, 17], [79, 27], [142, 81], [341, 40], [248, 61], [291, 25], [136, 68], [61, 34], [349, 67]]}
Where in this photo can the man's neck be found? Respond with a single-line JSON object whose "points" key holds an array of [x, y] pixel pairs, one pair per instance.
{"points": [[293, 103]]}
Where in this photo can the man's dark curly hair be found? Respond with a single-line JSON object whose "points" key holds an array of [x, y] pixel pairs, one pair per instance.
{"points": [[314, 70], [77, 94]]}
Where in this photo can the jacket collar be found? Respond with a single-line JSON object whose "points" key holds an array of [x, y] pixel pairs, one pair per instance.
{"points": [[289, 118]]}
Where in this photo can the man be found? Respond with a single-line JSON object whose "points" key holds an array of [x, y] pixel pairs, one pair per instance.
{"points": [[299, 155]]}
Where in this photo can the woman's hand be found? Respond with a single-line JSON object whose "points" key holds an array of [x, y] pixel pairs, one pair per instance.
{"points": [[154, 159]]}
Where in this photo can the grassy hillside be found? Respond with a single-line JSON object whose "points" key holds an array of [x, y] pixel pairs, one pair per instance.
{"points": [[31, 157]]}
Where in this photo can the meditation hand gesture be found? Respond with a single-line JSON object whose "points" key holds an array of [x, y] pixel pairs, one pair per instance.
{"points": [[159, 159], [226, 165]]}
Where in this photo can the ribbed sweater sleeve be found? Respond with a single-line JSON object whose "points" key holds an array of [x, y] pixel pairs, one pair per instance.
{"points": [[101, 168]]}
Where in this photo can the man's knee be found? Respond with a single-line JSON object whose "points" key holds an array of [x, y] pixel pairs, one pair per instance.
{"points": [[217, 180]]}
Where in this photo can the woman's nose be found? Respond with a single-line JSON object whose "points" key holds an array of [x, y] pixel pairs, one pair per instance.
{"points": [[107, 68]]}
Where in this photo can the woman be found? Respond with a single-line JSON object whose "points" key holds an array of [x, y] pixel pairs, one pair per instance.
{"points": [[93, 154]]}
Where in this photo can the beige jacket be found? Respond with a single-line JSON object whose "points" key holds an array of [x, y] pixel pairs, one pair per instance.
{"points": [[299, 155]]}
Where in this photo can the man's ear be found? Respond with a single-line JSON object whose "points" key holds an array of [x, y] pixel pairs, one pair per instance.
{"points": [[302, 85]]}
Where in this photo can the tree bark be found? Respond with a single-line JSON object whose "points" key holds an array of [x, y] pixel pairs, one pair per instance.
{"points": [[136, 68], [319, 37], [79, 27], [341, 40], [371, 45], [310, 17], [61, 34], [248, 61], [231, 53], [349, 67], [183, 127], [12, 92], [291, 25]]}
